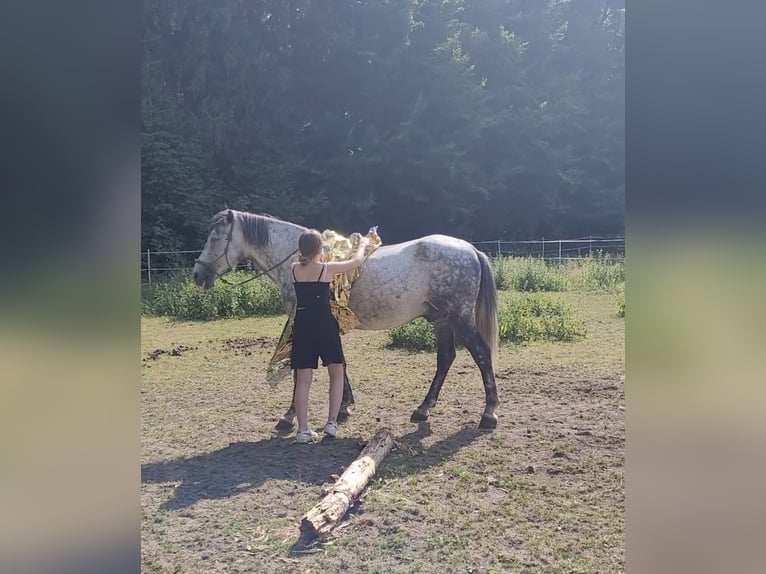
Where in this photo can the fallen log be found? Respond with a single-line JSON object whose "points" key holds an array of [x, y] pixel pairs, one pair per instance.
{"points": [[320, 520]]}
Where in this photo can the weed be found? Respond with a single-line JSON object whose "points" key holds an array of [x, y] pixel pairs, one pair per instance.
{"points": [[461, 473], [417, 335], [621, 303], [181, 299], [532, 274], [534, 317], [527, 274], [596, 273]]}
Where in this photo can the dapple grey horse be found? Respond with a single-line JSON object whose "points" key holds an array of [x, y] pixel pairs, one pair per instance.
{"points": [[442, 278]]}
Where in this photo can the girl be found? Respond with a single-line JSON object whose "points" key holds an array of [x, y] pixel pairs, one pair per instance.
{"points": [[315, 330]]}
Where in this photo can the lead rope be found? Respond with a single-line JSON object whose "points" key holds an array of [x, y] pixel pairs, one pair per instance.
{"points": [[256, 276]]}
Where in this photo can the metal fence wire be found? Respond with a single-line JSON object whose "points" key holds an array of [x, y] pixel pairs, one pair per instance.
{"points": [[159, 266]]}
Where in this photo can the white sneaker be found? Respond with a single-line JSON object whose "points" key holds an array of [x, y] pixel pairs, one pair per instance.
{"points": [[331, 428], [306, 437]]}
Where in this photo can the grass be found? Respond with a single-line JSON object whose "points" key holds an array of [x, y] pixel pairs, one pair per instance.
{"points": [[536, 317], [527, 274], [521, 317], [450, 499], [417, 335], [181, 299], [593, 273]]}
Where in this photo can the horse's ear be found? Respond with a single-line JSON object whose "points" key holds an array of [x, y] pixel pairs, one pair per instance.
{"points": [[229, 216]]}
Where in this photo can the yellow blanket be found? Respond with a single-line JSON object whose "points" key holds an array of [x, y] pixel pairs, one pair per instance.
{"points": [[335, 247]]}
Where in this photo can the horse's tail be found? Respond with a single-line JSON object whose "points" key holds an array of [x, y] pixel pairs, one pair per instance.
{"points": [[486, 308]]}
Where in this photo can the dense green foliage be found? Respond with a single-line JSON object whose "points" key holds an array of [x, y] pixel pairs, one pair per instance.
{"points": [[483, 119], [527, 274], [417, 335], [521, 318], [183, 300], [604, 273], [599, 273], [536, 317]]}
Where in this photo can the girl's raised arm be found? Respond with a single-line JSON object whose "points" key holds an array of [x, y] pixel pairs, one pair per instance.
{"points": [[335, 267]]}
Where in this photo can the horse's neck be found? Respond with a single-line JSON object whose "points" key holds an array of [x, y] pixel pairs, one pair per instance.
{"points": [[283, 242]]}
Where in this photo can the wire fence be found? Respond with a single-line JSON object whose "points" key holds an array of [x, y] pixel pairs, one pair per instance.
{"points": [[555, 249], [158, 266]]}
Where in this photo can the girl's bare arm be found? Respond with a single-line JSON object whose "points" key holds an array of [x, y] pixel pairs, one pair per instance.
{"points": [[335, 267]]}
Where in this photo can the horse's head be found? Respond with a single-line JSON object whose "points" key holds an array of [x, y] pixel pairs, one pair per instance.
{"points": [[222, 251]]}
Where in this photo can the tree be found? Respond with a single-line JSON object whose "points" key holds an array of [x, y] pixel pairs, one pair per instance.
{"points": [[482, 119]]}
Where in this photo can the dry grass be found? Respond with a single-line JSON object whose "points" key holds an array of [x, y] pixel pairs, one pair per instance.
{"points": [[223, 492]]}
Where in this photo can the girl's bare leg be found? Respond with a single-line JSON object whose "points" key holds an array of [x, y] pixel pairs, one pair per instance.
{"points": [[302, 386], [336, 390]]}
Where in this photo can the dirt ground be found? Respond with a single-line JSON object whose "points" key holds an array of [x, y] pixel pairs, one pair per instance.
{"points": [[222, 491]]}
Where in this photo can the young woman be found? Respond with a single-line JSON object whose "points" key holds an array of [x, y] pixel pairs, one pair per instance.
{"points": [[315, 330]]}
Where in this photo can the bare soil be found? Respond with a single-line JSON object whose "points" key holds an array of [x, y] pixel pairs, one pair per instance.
{"points": [[222, 491]]}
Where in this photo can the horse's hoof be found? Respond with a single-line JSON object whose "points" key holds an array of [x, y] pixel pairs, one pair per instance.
{"points": [[343, 414], [285, 424], [419, 416], [488, 421]]}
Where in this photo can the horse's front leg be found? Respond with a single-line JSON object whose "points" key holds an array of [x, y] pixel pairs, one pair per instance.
{"points": [[287, 421], [445, 356], [348, 397]]}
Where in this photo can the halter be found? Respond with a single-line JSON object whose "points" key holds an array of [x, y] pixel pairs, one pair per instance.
{"points": [[225, 255]]}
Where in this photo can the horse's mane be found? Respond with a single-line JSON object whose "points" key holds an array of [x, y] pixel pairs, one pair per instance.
{"points": [[255, 227]]}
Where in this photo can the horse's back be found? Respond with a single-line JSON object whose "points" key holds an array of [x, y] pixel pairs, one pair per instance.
{"points": [[402, 281]]}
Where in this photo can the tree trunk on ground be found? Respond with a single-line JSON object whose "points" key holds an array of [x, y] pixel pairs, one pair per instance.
{"points": [[321, 519]]}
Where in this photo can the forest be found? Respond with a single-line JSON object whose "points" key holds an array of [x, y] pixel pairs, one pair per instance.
{"points": [[483, 119]]}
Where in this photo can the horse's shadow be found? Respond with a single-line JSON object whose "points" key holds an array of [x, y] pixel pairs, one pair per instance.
{"points": [[412, 457], [244, 466]]}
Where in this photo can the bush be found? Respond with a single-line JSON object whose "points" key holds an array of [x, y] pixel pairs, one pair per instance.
{"points": [[182, 299], [599, 272], [417, 335], [535, 317], [530, 274], [523, 318], [501, 269], [527, 274]]}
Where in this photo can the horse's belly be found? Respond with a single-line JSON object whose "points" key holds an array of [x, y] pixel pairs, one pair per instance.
{"points": [[382, 306], [388, 319]]}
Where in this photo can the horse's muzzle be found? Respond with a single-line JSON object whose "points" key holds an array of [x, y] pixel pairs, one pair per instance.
{"points": [[203, 278]]}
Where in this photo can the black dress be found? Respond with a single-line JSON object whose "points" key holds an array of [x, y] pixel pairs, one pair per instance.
{"points": [[315, 330]]}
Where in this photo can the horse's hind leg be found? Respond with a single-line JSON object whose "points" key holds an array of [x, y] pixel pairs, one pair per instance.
{"points": [[470, 337], [348, 397], [445, 355]]}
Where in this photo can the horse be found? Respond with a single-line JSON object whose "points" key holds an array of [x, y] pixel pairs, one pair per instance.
{"points": [[444, 279]]}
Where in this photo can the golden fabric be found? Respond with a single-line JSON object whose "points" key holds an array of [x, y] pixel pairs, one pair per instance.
{"points": [[335, 247]]}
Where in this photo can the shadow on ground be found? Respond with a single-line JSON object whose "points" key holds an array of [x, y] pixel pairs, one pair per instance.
{"points": [[243, 466], [412, 457]]}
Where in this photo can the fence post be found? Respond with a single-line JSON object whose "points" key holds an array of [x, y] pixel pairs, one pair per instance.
{"points": [[498, 248], [543, 248], [590, 245], [149, 267], [559, 251]]}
